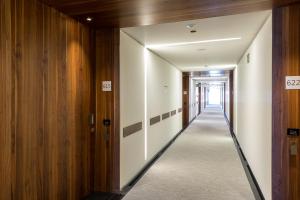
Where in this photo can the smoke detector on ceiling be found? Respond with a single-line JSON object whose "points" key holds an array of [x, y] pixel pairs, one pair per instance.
{"points": [[191, 27]]}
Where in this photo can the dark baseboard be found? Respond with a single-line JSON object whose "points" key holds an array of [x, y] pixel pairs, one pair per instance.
{"points": [[152, 161], [103, 196], [251, 178]]}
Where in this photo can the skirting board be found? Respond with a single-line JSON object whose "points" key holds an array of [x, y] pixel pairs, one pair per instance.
{"points": [[251, 178]]}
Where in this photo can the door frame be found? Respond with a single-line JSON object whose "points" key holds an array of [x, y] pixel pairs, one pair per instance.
{"points": [[231, 99], [185, 99], [285, 167], [279, 114], [107, 153]]}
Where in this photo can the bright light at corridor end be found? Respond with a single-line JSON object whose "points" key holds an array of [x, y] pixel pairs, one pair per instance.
{"points": [[214, 72], [189, 43]]}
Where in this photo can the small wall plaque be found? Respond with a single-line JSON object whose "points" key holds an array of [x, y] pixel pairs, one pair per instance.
{"points": [[106, 86], [292, 82]]}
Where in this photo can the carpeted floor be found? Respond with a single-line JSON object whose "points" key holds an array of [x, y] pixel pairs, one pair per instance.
{"points": [[201, 164]]}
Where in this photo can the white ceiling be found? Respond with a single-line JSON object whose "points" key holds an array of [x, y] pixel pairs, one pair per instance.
{"points": [[196, 57]]}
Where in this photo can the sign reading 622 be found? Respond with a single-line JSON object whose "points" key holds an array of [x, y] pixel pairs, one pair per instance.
{"points": [[292, 82]]}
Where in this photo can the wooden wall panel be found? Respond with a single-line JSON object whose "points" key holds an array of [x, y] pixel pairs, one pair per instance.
{"points": [[107, 178], [277, 3], [6, 106], [29, 102], [231, 98], [55, 106], [185, 99], [129, 13], [46, 97], [286, 103]]}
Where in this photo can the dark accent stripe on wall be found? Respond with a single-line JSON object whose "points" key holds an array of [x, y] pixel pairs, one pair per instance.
{"points": [[173, 112], [132, 129], [128, 187], [165, 115], [179, 110], [154, 120]]}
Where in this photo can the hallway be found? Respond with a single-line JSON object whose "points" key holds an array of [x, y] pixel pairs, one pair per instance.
{"points": [[201, 164]]}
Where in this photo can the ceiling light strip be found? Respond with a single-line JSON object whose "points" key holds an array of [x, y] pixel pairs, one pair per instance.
{"points": [[189, 43]]}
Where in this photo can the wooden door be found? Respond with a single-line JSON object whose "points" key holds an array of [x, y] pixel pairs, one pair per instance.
{"points": [[199, 99], [231, 98], [286, 103], [106, 152], [205, 97], [185, 100]]}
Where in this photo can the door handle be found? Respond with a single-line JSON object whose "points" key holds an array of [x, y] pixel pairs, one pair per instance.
{"points": [[106, 123]]}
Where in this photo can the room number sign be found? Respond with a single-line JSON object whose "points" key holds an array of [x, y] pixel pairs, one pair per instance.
{"points": [[292, 82]]}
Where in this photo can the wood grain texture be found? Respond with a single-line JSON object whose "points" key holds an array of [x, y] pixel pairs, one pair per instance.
{"points": [[199, 99], [6, 105], [231, 98], [279, 3], [45, 102], [185, 99], [128, 13], [286, 103], [107, 107]]}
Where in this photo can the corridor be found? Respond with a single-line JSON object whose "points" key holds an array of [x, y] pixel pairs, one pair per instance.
{"points": [[201, 164]]}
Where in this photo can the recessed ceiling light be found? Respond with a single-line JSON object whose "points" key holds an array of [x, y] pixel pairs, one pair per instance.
{"points": [[89, 19], [189, 43]]}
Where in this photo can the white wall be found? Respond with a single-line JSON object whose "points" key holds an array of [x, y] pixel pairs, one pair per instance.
{"points": [[132, 106], [160, 88], [227, 97], [202, 97], [235, 96], [253, 109], [164, 95], [192, 100]]}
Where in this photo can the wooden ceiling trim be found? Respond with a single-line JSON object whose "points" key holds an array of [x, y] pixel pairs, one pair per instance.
{"points": [[128, 13], [153, 6]]}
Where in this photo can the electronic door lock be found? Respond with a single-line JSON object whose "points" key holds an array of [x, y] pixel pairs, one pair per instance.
{"points": [[293, 131], [106, 122]]}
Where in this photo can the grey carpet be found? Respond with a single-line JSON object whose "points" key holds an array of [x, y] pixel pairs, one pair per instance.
{"points": [[201, 164]]}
